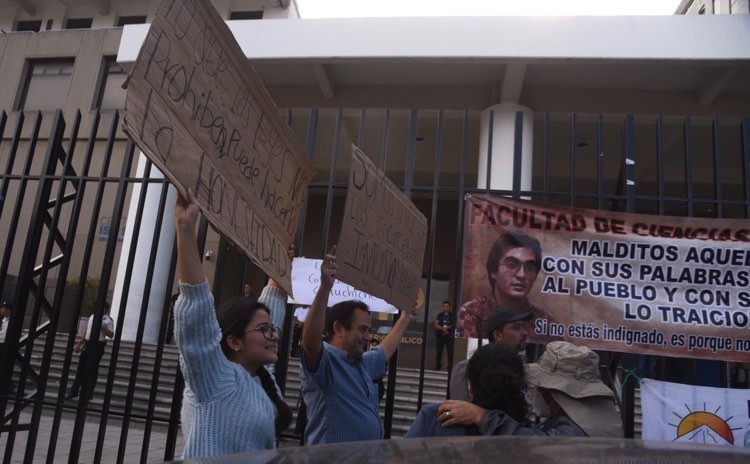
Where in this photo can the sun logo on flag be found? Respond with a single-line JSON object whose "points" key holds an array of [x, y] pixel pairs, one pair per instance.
{"points": [[704, 427]]}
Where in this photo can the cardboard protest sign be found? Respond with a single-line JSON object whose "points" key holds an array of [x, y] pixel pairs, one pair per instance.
{"points": [[383, 236], [613, 281], [197, 109], [306, 281]]}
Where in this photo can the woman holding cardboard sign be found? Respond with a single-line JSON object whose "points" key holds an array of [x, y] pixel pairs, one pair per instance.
{"points": [[231, 402]]}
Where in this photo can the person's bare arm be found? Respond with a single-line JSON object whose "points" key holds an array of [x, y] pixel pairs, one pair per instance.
{"points": [[390, 343], [312, 329], [79, 343], [188, 259]]}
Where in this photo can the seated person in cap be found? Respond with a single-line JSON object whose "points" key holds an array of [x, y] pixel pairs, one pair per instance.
{"points": [[496, 381], [569, 392], [505, 326]]}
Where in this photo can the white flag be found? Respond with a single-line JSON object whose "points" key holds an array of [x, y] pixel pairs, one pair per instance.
{"points": [[686, 413]]}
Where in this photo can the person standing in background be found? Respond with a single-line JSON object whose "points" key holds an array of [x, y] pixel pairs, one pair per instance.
{"points": [[92, 350], [444, 325], [300, 314]]}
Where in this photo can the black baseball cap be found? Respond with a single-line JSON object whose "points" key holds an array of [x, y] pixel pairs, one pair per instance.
{"points": [[501, 315]]}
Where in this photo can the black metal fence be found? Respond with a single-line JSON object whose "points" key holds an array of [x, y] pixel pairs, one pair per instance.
{"points": [[53, 197], [56, 188]]}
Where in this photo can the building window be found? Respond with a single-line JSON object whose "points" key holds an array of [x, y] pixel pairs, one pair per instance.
{"points": [[79, 23], [246, 15], [125, 20], [111, 95], [47, 84], [29, 26]]}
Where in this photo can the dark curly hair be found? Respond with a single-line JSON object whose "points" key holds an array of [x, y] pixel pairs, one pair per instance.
{"points": [[497, 375], [233, 317]]}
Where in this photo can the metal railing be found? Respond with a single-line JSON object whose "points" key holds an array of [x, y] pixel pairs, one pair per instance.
{"points": [[47, 181]]}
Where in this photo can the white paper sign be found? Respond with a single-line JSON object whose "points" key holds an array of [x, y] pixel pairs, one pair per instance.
{"points": [[306, 281]]}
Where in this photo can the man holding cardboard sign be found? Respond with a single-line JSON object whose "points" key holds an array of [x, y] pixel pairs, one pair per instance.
{"points": [[338, 375], [383, 236]]}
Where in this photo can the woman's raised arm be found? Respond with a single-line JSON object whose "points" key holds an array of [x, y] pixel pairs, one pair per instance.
{"points": [[188, 260]]}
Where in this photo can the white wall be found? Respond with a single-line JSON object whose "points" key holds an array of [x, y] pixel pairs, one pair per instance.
{"points": [[623, 37]]}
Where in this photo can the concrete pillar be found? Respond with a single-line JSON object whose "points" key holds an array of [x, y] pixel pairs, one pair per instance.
{"points": [[503, 146], [159, 284], [503, 136]]}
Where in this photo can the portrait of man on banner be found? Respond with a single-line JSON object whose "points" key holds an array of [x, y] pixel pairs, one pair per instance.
{"points": [[512, 264]]}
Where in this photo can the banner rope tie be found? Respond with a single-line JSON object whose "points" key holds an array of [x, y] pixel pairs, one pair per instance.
{"points": [[631, 373]]}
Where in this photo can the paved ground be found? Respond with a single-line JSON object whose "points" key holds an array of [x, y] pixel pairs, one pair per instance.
{"points": [[133, 445], [88, 444]]}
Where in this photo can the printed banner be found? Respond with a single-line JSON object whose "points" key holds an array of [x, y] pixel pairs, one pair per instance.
{"points": [[612, 281], [198, 110], [685, 413], [383, 236], [306, 281]]}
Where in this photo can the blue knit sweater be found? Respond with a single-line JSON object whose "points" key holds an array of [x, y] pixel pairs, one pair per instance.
{"points": [[225, 409]]}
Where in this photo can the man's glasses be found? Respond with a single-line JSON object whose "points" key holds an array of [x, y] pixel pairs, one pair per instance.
{"points": [[512, 266], [268, 331]]}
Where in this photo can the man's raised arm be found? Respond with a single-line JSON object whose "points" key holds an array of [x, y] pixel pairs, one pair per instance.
{"points": [[312, 329], [390, 343]]}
